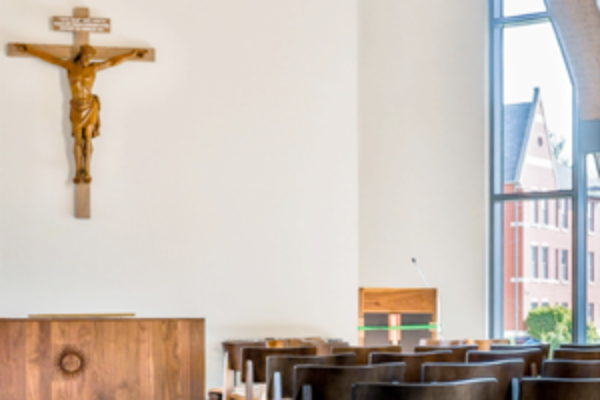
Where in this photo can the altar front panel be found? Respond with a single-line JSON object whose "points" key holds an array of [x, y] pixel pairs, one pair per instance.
{"points": [[98, 359]]}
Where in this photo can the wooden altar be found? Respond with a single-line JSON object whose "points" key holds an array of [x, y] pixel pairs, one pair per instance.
{"points": [[81, 359]]}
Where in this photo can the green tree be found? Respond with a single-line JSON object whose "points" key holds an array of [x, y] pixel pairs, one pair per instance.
{"points": [[558, 146], [553, 324]]}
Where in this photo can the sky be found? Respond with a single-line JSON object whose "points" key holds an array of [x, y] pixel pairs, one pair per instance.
{"points": [[532, 58], [515, 7]]}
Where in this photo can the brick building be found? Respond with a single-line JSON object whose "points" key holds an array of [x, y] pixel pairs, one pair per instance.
{"points": [[538, 234]]}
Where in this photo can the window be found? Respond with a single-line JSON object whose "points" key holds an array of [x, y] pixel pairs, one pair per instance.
{"points": [[535, 273], [532, 147], [545, 304], [591, 267], [545, 262], [591, 216], [593, 240], [544, 210], [562, 206], [564, 262], [557, 265]]}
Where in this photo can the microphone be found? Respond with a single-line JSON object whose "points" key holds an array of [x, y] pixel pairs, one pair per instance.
{"points": [[414, 261]]}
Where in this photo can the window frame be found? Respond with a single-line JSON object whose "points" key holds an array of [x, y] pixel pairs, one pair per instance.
{"points": [[591, 267], [577, 195], [535, 261], [591, 212], [564, 265], [557, 266], [545, 220], [564, 214], [544, 262]]}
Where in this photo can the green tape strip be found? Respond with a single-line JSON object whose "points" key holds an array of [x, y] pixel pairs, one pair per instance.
{"points": [[398, 328]]}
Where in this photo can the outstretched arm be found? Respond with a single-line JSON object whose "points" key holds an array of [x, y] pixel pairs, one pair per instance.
{"points": [[42, 55], [113, 62]]}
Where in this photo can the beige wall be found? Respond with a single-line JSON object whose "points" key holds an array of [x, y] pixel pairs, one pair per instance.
{"points": [[423, 128], [227, 174], [225, 179]]}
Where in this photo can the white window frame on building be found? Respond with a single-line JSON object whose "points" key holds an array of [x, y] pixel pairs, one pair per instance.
{"points": [[544, 211], [564, 265], [564, 215], [591, 262], [591, 213], [557, 254], [544, 303], [535, 261], [544, 263], [585, 141]]}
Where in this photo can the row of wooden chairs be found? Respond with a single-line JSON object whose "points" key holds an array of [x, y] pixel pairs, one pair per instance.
{"points": [[480, 389], [266, 362], [534, 354], [234, 347], [329, 382], [560, 380], [565, 352]]}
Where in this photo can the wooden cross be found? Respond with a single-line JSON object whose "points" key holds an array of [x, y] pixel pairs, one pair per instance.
{"points": [[82, 25]]}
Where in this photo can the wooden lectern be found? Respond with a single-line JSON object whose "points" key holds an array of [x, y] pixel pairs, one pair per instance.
{"points": [[397, 302], [81, 359]]}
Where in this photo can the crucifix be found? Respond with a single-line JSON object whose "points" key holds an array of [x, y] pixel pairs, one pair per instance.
{"points": [[81, 71]]}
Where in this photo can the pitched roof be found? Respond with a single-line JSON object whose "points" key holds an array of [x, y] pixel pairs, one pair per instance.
{"points": [[517, 127]]}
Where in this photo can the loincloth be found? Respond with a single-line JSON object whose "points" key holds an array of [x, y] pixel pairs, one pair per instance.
{"points": [[85, 113]]}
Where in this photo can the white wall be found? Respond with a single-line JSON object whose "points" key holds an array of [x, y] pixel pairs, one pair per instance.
{"points": [[422, 159], [225, 178]]}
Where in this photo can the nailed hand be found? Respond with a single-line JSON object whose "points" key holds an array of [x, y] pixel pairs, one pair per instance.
{"points": [[22, 47], [140, 53]]}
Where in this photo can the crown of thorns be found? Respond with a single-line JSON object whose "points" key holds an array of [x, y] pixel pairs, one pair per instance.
{"points": [[86, 48]]}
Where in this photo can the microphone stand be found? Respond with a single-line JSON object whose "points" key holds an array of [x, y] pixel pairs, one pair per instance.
{"points": [[439, 297]]}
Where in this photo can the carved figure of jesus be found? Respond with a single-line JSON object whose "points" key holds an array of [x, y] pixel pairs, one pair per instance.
{"points": [[85, 106]]}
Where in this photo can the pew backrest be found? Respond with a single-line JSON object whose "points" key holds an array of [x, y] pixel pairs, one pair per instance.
{"points": [[285, 366], [577, 346], [413, 361], [476, 389], [571, 369], [544, 347], [363, 353], [576, 354], [335, 383], [559, 389], [259, 355], [508, 373], [234, 350], [532, 357], [459, 353]]}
